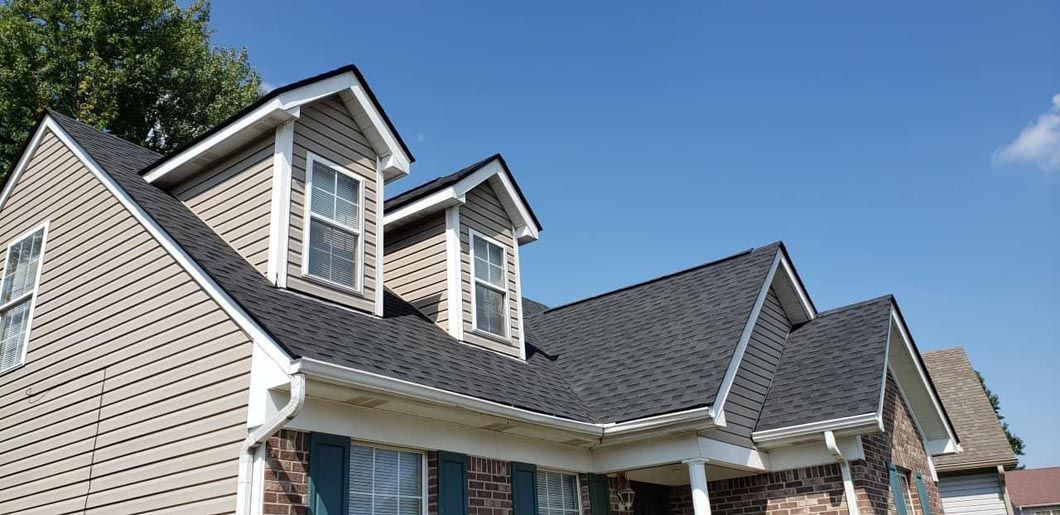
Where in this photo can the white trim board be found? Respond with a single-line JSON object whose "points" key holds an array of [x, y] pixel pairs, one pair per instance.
{"points": [[395, 161], [517, 211], [280, 209]]}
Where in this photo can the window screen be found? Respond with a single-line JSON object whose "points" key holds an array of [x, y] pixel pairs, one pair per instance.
{"points": [[385, 481], [334, 226], [557, 493], [16, 294]]}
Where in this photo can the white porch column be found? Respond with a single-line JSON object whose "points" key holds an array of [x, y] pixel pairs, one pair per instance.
{"points": [[697, 475]]}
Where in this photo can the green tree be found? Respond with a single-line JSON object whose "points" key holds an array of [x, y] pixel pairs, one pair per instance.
{"points": [[143, 69], [1013, 440]]}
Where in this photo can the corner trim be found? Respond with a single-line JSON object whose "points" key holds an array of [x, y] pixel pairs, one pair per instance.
{"points": [[454, 293], [280, 220]]}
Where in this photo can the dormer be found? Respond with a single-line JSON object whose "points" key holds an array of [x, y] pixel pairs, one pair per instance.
{"points": [[295, 182], [452, 250]]}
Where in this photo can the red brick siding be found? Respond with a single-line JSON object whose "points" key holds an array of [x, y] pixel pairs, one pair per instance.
{"points": [[811, 490], [900, 444], [287, 473], [489, 487]]}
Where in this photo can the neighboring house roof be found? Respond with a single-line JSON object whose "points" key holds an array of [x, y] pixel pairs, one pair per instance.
{"points": [[659, 346], [983, 442], [832, 366], [1034, 487]]}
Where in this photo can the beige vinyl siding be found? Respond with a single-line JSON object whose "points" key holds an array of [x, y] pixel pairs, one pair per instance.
{"points": [[415, 266], [484, 214], [134, 394], [326, 129], [234, 199], [755, 374]]}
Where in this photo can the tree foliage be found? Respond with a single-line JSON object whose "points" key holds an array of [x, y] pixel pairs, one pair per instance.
{"points": [[143, 69], [1013, 440]]}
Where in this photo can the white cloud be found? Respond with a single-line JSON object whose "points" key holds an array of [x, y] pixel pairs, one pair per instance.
{"points": [[1038, 143]]}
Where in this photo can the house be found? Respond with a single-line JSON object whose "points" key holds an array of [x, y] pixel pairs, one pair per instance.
{"points": [[972, 481], [1035, 491], [249, 324]]}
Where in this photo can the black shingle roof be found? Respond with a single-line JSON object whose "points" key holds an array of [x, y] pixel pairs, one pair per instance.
{"points": [[659, 346], [831, 367], [652, 348]]}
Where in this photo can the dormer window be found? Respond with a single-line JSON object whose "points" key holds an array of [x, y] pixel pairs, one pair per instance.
{"points": [[489, 299], [334, 224]]}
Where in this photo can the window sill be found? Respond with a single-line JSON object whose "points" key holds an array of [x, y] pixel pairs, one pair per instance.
{"points": [[490, 336], [342, 288]]}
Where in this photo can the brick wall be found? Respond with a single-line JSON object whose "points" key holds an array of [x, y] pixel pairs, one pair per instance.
{"points": [[489, 487], [899, 444], [811, 490], [287, 473]]}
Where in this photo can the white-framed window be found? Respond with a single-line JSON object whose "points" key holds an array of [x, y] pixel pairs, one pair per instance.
{"points": [[386, 481], [18, 290], [489, 289], [333, 247], [557, 493]]}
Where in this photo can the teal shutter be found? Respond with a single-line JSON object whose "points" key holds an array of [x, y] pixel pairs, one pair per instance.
{"points": [[524, 489], [452, 483], [599, 496], [896, 490], [925, 503], [329, 474]]}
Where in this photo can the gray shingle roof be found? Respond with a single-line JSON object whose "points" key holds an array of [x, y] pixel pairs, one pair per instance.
{"points": [[983, 442], [659, 346], [832, 366]]}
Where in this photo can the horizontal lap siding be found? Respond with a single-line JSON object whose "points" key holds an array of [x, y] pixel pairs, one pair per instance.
{"points": [[327, 130], [484, 214], [755, 373], [236, 200], [134, 392], [415, 266]]}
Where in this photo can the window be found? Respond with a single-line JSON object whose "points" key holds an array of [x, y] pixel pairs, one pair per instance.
{"points": [[557, 493], [21, 274], [385, 481], [333, 248], [489, 299], [903, 482]]}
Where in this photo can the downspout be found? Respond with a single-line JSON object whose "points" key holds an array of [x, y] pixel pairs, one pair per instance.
{"points": [[844, 466], [261, 433]]}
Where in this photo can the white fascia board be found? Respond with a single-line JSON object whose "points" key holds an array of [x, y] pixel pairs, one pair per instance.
{"points": [[745, 337], [221, 297], [804, 299], [600, 432], [285, 107], [903, 332], [856, 424], [518, 211]]}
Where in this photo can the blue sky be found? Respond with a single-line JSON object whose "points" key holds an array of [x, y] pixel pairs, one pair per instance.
{"points": [[871, 140]]}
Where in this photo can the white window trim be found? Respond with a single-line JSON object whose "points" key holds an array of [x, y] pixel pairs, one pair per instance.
{"points": [[577, 484], [308, 215], [423, 466], [507, 336], [32, 294]]}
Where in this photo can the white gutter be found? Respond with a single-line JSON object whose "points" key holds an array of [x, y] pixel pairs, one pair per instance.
{"points": [[258, 436], [865, 423], [388, 385], [844, 466]]}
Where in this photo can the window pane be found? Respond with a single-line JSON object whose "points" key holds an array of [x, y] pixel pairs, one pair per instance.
{"points": [[323, 177], [385, 481], [332, 253], [482, 269], [489, 307], [323, 203], [495, 254], [13, 325], [20, 272], [557, 493], [346, 189]]}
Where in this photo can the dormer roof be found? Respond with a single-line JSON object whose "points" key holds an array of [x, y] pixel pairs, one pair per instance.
{"points": [[280, 105], [448, 190]]}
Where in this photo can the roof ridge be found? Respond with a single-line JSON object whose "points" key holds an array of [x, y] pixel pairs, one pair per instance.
{"points": [[661, 277], [946, 349], [887, 296]]}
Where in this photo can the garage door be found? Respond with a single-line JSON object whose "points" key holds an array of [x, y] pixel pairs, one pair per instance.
{"points": [[979, 495]]}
